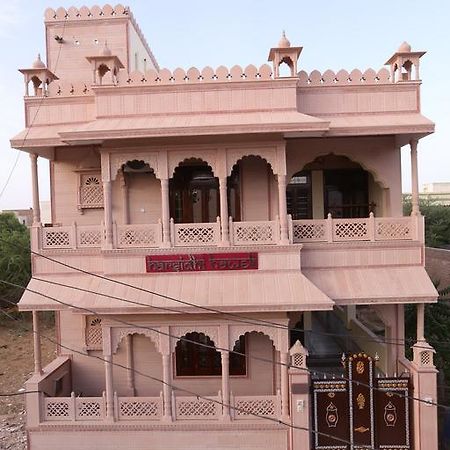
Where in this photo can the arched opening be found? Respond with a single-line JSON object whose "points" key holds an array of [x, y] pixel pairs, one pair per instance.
{"points": [[336, 185], [102, 70], [194, 193], [260, 376], [286, 67], [254, 190], [143, 199], [196, 356], [146, 361]]}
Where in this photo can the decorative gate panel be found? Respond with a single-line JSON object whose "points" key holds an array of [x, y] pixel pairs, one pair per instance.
{"points": [[361, 411], [393, 417], [330, 400]]}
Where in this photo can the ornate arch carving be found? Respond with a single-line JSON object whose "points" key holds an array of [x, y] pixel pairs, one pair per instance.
{"points": [[211, 331], [376, 176], [119, 333], [117, 160], [238, 330], [178, 157], [269, 155]]}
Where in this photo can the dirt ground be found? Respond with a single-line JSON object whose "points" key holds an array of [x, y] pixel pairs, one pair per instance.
{"points": [[16, 366]]}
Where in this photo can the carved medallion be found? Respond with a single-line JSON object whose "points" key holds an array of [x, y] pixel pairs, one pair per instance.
{"points": [[332, 415], [390, 415]]}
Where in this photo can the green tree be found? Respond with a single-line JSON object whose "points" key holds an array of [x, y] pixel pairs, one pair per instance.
{"points": [[15, 262], [437, 221]]}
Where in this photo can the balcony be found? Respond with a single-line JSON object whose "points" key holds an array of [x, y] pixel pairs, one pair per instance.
{"points": [[70, 408], [257, 233]]}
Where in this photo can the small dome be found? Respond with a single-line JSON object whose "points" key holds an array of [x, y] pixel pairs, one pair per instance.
{"points": [[284, 41], [404, 48], [38, 64], [105, 51]]}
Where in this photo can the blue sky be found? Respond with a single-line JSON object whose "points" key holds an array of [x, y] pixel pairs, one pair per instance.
{"points": [[334, 35]]}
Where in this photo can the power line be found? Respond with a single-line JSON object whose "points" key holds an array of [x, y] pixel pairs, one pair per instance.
{"points": [[182, 338], [176, 388], [237, 317]]}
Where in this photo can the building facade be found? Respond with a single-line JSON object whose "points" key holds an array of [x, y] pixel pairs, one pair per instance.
{"points": [[209, 228]]}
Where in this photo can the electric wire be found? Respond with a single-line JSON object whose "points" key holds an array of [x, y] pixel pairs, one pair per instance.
{"points": [[237, 317], [177, 388], [201, 344]]}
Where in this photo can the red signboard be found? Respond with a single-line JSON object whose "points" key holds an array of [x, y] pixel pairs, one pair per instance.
{"points": [[200, 262]]}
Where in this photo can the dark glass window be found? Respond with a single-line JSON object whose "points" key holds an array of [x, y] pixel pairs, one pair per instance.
{"points": [[299, 196], [346, 193], [197, 360]]}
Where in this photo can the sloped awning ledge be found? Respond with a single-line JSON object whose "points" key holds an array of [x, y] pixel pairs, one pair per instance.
{"points": [[196, 125], [355, 285], [256, 291]]}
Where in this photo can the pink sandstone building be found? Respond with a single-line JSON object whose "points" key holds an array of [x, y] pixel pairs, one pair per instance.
{"points": [[216, 238]]}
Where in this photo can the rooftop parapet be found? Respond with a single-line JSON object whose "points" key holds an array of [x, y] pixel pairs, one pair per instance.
{"points": [[342, 78]]}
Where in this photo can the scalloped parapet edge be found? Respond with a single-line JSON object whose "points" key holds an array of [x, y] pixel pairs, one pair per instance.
{"points": [[343, 78], [97, 12], [194, 75], [167, 77]]}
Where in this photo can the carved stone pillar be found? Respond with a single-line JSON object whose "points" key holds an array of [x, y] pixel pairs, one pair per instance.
{"points": [[414, 179], [224, 211], [165, 211], [420, 322], [109, 387], [167, 389], [282, 208], [130, 365], [35, 186], [284, 360], [225, 358], [125, 200], [107, 195], [37, 344]]}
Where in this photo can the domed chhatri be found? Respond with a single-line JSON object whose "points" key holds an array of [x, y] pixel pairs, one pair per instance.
{"points": [[284, 41], [404, 48], [38, 64], [284, 53]]}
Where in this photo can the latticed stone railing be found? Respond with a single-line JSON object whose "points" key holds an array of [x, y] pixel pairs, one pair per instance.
{"points": [[74, 408], [195, 234], [250, 407], [138, 235], [255, 233], [362, 229], [139, 408], [196, 408], [240, 233], [73, 236]]}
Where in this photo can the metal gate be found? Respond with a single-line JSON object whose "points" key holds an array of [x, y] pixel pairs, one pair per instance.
{"points": [[361, 411]]}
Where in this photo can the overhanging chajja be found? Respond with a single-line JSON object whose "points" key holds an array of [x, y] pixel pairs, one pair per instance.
{"points": [[256, 291], [366, 285]]}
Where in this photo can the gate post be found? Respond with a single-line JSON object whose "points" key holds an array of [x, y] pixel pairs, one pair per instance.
{"points": [[300, 404], [424, 376]]}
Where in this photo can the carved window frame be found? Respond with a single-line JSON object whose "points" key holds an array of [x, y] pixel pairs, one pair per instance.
{"points": [[91, 182]]}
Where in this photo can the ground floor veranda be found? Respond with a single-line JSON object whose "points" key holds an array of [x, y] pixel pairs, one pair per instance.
{"points": [[130, 378]]}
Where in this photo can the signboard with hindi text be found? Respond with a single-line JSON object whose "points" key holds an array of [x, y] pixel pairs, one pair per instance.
{"points": [[200, 262]]}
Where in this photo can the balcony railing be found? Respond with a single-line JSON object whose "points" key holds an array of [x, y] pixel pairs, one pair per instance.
{"points": [[74, 408], [239, 234], [364, 229]]}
